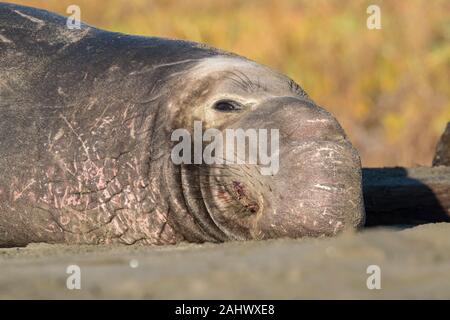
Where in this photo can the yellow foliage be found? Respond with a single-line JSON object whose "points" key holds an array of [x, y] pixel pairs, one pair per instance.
{"points": [[393, 125]]}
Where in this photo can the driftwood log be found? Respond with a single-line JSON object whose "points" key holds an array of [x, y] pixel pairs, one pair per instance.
{"points": [[442, 155], [410, 196]]}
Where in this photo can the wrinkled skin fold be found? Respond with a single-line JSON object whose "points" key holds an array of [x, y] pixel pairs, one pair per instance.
{"points": [[86, 118]]}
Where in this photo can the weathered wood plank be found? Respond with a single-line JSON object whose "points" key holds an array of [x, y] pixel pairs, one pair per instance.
{"points": [[442, 155], [406, 195]]}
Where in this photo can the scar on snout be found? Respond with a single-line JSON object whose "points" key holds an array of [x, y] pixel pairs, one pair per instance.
{"points": [[317, 120]]}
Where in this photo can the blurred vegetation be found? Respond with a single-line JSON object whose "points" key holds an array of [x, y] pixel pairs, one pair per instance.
{"points": [[389, 88]]}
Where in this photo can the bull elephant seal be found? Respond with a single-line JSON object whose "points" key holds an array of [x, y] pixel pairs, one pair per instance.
{"points": [[86, 124]]}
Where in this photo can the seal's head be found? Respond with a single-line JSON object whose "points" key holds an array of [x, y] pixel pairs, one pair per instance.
{"points": [[312, 186]]}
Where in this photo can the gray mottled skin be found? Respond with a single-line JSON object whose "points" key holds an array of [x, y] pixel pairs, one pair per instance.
{"points": [[85, 123]]}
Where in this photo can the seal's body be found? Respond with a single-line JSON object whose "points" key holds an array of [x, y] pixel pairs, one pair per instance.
{"points": [[86, 118]]}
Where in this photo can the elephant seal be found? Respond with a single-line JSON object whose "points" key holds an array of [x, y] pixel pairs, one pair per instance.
{"points": [[86, 120]]}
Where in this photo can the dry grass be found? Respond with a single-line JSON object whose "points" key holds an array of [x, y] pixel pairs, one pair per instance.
{"points": [[389, 88]]}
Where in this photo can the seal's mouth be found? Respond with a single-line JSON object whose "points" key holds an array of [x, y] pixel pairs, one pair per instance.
{"points": [[239, 190], [232, 202]]}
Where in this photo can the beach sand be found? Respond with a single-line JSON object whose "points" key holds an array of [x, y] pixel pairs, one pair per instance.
{"points": [[414, 263]]}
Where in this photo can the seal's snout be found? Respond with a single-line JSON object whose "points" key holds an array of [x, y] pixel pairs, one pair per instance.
{"points": [[317, 190]]}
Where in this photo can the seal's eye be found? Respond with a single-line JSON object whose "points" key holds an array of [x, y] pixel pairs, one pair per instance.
{"points": [[227, 106]]}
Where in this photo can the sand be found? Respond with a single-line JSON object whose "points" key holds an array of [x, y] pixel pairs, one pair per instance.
{"points": [[414, 263]]}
